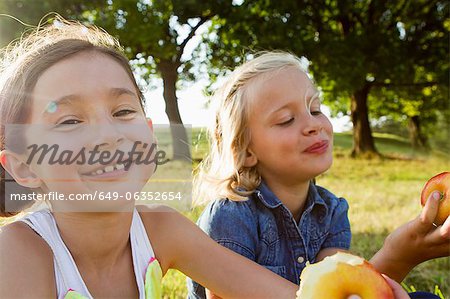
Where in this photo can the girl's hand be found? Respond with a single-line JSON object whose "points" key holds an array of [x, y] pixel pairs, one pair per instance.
{"points": [[399, 292], [414, 242]]}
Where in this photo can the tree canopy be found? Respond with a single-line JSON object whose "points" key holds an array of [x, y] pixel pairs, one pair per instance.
{"points": [[371, 58], [355, 49]]}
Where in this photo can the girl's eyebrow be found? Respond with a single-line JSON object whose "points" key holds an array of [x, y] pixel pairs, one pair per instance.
{"points": [[280, 108], [118, 91], [53, 105], [69, 99], [308, 101]]}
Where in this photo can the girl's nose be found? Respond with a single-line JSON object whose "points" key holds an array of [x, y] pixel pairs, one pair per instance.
{"points": [[110, 135], [313, 126], [106, 135]]}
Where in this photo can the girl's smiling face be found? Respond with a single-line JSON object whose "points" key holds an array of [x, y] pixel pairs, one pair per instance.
{"points": [[88, 102], [291, 139]]}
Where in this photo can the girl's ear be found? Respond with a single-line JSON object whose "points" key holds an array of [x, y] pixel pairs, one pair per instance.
{"points": [[250, 159], [19, 170], [150, 123]]}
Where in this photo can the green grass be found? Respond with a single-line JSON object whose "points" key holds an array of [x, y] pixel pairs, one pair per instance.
{"points": [[383, 193]]}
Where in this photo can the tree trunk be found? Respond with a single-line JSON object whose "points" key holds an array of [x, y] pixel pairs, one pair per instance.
{"points": [[180, 140], [363, 143], [418, 139]]}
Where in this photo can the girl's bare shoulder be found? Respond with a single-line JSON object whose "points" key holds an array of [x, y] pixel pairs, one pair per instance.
{"points": [[18, 238], [26, 262]]}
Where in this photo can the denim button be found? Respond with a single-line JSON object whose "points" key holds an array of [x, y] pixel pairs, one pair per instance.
{"points": [[321, 217], [300, 259]]}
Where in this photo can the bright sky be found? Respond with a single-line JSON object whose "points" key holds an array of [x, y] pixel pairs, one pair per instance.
{"points": [[195, 112], [192, 101]]}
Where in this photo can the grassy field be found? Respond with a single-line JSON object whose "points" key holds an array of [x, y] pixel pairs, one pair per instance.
{"points": [[382, 193]]}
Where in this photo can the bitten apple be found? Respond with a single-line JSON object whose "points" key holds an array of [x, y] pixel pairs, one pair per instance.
{"points": [[440, 183], [342, 275]]}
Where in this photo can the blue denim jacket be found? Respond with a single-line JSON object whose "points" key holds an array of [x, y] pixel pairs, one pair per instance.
{"points": [[264, 230]]}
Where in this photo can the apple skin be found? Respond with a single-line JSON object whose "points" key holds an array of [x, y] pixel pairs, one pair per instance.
{"points": [[441, 183], [341, 275]]}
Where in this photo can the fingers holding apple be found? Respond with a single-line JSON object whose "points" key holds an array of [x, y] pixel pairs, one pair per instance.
{"points": [[399, 292], [438, 186], [341, 276]]}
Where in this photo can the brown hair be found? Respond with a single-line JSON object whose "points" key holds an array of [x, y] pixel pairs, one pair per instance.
{"points": [[24, 61]]}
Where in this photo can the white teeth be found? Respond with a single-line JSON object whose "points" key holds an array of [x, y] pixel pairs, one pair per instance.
{"points": [[108, 169]]}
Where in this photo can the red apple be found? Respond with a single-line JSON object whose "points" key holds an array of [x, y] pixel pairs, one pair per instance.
{"points": [[440, 183], [342, 275]]}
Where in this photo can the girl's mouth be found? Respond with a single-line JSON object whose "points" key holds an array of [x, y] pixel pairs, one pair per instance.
{"points": [[318, 147], [110, 171]]}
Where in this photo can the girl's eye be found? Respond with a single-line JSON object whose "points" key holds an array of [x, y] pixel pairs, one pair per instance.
{"points": [[316, 112], [124, 112], [68, 122], [286, 123]]}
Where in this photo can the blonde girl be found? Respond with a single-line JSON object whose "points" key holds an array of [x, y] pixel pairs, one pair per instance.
{"points": [[269, 141]]}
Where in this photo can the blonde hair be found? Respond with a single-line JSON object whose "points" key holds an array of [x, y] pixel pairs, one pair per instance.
{"points": [[23, 62], [222, 173]]}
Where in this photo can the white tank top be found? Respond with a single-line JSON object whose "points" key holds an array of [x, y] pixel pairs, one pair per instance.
{"points": [[66, 272]]}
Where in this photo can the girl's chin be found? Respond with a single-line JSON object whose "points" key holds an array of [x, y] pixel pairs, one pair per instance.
{"points": [[133, 183], [94, 206]]}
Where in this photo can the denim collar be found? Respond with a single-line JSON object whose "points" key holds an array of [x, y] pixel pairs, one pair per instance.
{"points": [[271, 201]]}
